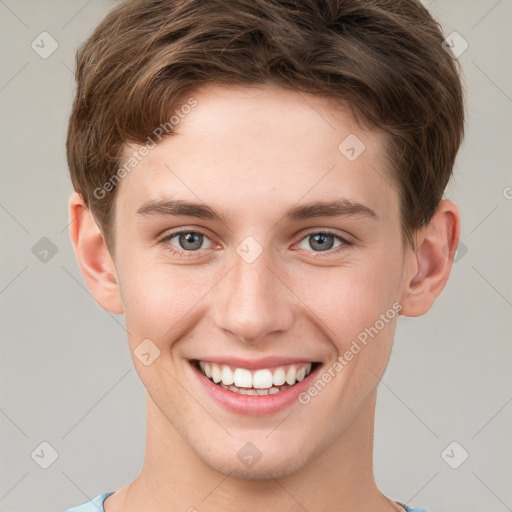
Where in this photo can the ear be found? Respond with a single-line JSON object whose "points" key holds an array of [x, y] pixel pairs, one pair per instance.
{"points": [[93, 256], [429, 264]]}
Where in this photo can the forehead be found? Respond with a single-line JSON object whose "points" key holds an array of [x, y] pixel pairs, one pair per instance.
{"points": [[247, 149]]}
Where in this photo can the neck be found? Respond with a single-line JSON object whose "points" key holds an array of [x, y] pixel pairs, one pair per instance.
{"points": [[173, 477]]}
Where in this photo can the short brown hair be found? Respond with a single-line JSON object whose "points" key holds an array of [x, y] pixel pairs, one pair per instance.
{"points": [[384, 58]]}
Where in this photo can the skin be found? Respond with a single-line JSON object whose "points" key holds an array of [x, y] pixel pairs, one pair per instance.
{"points": [[252, 154]]}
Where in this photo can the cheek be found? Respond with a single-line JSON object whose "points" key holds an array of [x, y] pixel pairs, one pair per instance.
{"points": [[162, 304], [161, 299], [347, 299]]}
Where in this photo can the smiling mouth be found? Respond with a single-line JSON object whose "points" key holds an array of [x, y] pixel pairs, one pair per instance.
{"points": [[263, 381]]}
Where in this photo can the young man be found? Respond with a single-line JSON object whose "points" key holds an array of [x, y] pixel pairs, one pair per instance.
{"points": [[259, 189]]}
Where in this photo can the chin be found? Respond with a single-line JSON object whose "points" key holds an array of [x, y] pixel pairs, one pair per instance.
{"points": [[266, 468]]}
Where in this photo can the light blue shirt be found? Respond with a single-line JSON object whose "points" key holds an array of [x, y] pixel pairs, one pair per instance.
{"points": [[96, 505]]}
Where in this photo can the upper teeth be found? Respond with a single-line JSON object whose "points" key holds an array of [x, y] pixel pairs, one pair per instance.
{"points": [[260, 379]]}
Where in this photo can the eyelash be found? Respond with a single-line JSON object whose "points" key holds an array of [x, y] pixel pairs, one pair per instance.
{"points": [[319, 254]]}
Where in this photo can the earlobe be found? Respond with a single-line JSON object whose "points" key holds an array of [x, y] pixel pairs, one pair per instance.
{"points": [[431, 261], [93, 256]]}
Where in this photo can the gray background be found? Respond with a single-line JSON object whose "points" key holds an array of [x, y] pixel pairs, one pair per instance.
{"points": [[65, 371]]}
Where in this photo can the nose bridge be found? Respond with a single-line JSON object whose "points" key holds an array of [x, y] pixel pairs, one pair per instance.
{"points": [[255, 302]]}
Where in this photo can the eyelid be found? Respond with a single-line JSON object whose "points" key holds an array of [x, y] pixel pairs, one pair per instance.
{"points": [[171, 234], [327, 231], [345, 241]]}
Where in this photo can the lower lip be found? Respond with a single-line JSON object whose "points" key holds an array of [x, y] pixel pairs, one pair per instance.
{"points": [[254, 405]]}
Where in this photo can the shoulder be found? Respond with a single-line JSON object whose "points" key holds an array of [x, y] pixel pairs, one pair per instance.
{"points": [[413, 509], [95, 505]]}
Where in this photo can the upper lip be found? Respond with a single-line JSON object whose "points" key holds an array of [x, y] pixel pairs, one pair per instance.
{"points": [[255, 364]]}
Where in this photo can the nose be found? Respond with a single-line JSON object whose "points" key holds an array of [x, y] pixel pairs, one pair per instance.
{"points": [[254, 301]]}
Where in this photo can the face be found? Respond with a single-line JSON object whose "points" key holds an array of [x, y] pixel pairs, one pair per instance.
{"points": [[259, 288]]}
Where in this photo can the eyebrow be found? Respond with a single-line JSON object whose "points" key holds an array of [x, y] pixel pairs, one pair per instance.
{"points": [[336, 208]]}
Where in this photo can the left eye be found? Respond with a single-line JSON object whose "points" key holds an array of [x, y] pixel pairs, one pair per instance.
{"points": [[323, 241]]}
